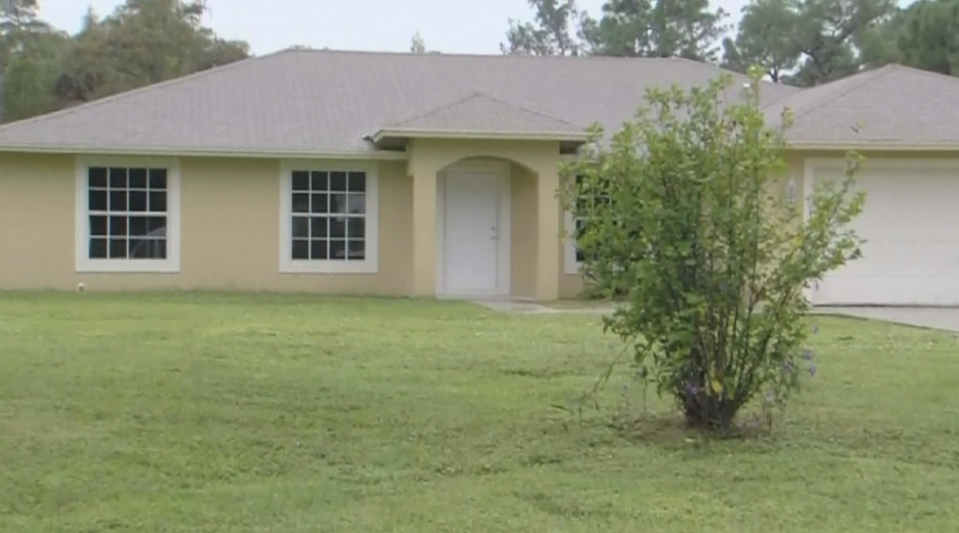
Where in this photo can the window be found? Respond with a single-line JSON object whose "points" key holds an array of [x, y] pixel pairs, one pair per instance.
{"points": [[127, 213], [329, 218], [575, 226]]}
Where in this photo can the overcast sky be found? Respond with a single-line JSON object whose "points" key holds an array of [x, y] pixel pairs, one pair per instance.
{"points": [[451, 26]]}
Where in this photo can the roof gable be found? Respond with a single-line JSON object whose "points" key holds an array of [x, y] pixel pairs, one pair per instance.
{"points": [[479, 114]]}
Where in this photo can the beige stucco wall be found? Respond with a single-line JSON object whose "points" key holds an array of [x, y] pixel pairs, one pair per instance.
{"points": [[230, 237], [524, 231]]}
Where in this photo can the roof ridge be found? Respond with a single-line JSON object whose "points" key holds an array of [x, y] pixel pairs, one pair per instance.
{"points": [[138, 90], [473, 96], [531, 111], [530, 57], [865, 77], [927, 73], [437, 109]]}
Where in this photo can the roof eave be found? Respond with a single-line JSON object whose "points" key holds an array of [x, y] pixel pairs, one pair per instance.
{"points": [[876, 146], [388, 155], [400, 133]]}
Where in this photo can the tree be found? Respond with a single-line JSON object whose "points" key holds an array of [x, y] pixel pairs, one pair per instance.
{"points": [[143, 42], [929, 36], [549, 34], [683, 214], [417, 45], [666, 28], [766, 38], [30, 57], [829, 34]]}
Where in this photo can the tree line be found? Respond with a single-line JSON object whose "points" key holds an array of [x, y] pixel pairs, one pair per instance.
{"points": [[140, 43], [799, 42]]}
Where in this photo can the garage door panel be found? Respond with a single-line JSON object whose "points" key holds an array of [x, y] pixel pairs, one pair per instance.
{"points": [[911, 226]]}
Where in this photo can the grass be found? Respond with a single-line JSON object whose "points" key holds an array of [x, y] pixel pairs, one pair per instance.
{"points": [[257, 413]]}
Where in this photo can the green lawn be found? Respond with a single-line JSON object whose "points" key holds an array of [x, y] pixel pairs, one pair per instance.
{"points": [[255, 413]]}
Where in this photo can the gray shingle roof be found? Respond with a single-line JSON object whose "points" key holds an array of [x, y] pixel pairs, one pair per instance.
{"points": [[326, 103], [894, 106]]}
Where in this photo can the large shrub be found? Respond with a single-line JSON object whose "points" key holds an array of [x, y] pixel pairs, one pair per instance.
{"points": [[688, 214]]}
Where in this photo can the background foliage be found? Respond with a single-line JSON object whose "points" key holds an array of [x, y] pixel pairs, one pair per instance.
{"points": [[142, 42], [800, 42]]}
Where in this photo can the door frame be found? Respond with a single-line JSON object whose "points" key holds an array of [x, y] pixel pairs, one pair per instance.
{"points": [[504, 240]]}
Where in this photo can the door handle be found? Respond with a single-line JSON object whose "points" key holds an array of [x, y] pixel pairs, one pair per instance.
{"points": [[495, 233]]}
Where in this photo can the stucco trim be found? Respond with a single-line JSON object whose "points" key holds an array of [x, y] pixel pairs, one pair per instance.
{"points": [[370, 265], [83, 263]]}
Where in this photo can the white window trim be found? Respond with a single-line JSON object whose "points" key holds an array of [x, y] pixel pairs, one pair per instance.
{"points": [[370, 265], [571, 265], [83, 262]]}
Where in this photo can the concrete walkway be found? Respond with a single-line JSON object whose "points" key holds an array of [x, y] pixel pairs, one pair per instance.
{"points": [[521, 307], [944, 318]]}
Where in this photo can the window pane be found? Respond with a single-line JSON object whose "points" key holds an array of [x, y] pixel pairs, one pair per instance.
{"points": [[157, 202], [118, 226], [356, 227], [338, 250], [118, 178], [357, 181], [118, 248], [156, 226], [319, 227], [138, 226], [318, 249], [357, 204], [98, 200], [357, 250], [320, 203], [98, 177], [339, 203], [321, 181], [138, 178], [301, 180], [158, 178], [337, 228], [301, 249], [98, 248], [148, 249], [118, 200], [301, 203], [301, 227], [338, 181], [98, 226], [138, 200]]}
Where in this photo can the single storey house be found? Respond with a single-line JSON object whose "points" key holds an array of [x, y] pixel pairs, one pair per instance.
{"points": [[426, 175]]}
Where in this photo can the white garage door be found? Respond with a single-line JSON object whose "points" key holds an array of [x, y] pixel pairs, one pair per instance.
{"points": [[911, 225]]}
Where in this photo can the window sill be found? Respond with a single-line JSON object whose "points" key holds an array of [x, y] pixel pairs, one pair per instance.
{"points": [[329, 267], [128, 267]]}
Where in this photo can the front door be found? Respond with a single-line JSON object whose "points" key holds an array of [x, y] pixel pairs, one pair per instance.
{"points": [[471, 236]]}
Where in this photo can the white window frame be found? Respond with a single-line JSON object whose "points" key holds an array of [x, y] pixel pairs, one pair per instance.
{"points": [[572, 266], [288, 265], [83, 261]]}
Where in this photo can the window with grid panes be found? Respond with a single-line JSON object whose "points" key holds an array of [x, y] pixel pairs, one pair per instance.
{"points": [[329, 216], [128, 214]]}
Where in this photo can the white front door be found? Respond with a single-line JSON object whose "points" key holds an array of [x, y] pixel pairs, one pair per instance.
{"points": [[470, 251]]}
